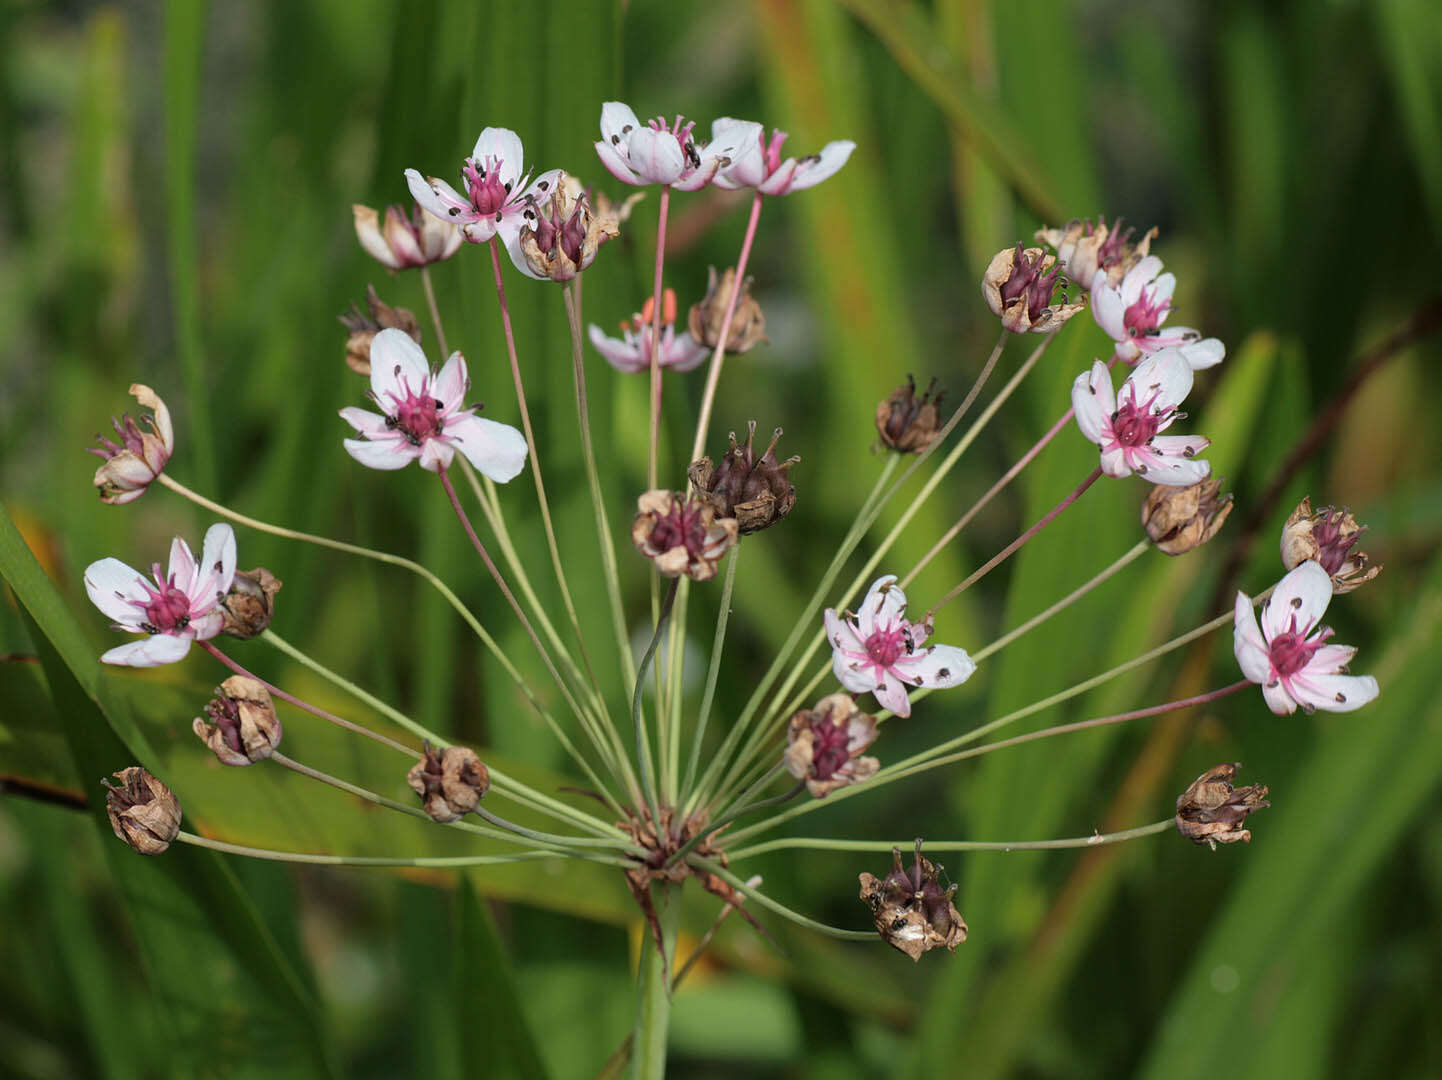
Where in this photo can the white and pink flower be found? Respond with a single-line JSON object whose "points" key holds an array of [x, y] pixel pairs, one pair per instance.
{"points": [[181, 607], [632, 351], [1133, 312], [766, 171], [658, 153], [140, 456], [1289, 655], [878, 651], [1126, 426], [499, 200], [424, 416], [405, 240]]}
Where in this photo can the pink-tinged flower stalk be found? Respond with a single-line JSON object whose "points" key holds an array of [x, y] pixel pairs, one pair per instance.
{"points": [[632, 351], [499, 199], [878, 651], [425, 416], [1133, 312], [1126, 426], [824, 745], [140, 456], [178, 608], [657, 153], [1289, 656], [405, 240], [766, 171]]}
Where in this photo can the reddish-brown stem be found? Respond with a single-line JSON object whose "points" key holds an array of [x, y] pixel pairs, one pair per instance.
{"points": [[314, 710]]}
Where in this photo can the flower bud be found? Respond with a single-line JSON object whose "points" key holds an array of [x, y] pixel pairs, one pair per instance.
{"points": [[566, 233], [142, 811], [450, 782], [405, 241], [1179, 519], [1019, 286], [908, 423], [1083, 251], [748, 323], [1211, 811], [248, 606], [140, 456], [824, 744], [911, 910], [1327, 537], [364, 328], [246, 729], [755, 491], [682, 536]]}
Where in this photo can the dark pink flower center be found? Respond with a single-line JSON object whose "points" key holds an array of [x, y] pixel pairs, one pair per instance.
{"points": [[830, 750], [131, 438], [167, 608], [1145, 317], [1111, 250], [1334, 549], [681, 528], [1135, 425], [417, 416], [1027, 280], [887, 645], [487, 192], [1290, 652]]}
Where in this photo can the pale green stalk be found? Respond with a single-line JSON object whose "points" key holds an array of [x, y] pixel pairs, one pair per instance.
{"points": [[653, 989], [810, 843], [434, 861], [714, 867], [713, 671]]}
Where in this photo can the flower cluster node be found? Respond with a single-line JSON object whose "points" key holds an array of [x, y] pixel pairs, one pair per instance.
{"points": [[451, 781], [824, 745], [681, 535], [247, 608], [417, 239], [1088, 253], [1181, 519], [756, 491], [706, 318], [911, 910], [1211, 811], [1020, 285], [1329, 536], [142, 811], [244, 728], [140, 456], [908, 423], [365, 325], [564, 236]]}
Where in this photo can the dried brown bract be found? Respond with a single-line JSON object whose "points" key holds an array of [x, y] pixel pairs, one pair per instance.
{"points": [[450, 781], [1179, 519], [756, 491], [142, 811], [748, 322], [1329, 536], [248, 607], [911, 910], [245, 728], [681, 535], [909, 423], [1212, 811], [364, 327]]}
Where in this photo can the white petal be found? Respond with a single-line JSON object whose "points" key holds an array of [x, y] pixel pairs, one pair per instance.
{"points": [[217, 558], [893, 694], [748, 161], [656, 155], [452, 383], [117, 590], [1247, 644], [436, 197], [1137, 277], [1303, 593], [840, 634], [1331, 659], [500, 146], [1093, 403], [1165, 374], [1177, 472], [396, 359], [436, 455], [395, 454], [617, 121], [1108, 309], [1180, 446], [1163, 288], [615, 162], [621, 355], [1333, 693], [941, 666], [542, 187], [824, 165], [150, 651], [1116, 462], [509, 232], [1209, 352], [497, 450], [883, 605], [368, 232], [182, 564], [1278, 700], [367, 423], [698, 178], [683, 353], [780, 182]]}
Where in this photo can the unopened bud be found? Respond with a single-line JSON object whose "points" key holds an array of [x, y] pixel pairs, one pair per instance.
{"points": [[405, 240], [364, 328], [142, 811], [1019, 287], [244, 728], [249, 605], [681, 535], [748, 323], [139, 457], [909, 423], [1212, 811], [911, 910], [450, 781], [1179, 519], [1329, 537], [756, 491]]}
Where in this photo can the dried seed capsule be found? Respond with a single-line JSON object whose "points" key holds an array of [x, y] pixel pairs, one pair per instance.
{"points": [[1329, 537], [250, 603], [1211, 811], [450, 781], [246, 729], [1179, 519], [364, 328], [756, 491], [142, 811], [908, 423], [748, 322], [1019, 286], [682, 536], [824, 745], [561, 237], [1083, 251], [911, 910]]}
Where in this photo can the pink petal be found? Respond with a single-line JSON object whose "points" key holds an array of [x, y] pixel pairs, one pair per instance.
{"points": [[367, 423], [1331, 659], [396, 360], [1180, 446], [1117, 462], [617, 121], [1165, 374], [395, 454], [1176, 472], [1333, 693], [892, 694], [1303, 593], [699, 177], [840, 633], [883, 604], [1206, 353], [503, 146], [452, 383], [616, 164], [941, 666], [1278, 700], [117, 590], [150, 651], [683, 353], [182, 564], [543, 187], [621, 355], [437, 197], [656, 156], [497, 450], [824, 165], [1108, 309], [436, 455], [1137, 277], [216, 572], [1093, 403], [1247, 644], [781, 181]]}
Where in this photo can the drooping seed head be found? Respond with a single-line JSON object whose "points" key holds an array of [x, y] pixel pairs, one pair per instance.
{"points": [[450, 781], [748, 322], [912, 911], [142, 811], [909, 423], [1211, 811], [1179, 519], [244, 728], [248, 606]]}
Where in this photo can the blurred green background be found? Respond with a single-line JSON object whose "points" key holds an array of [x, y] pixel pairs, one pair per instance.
{"points": [[175, 209]]}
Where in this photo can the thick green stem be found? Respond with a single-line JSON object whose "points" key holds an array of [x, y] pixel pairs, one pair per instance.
{"points": [[653, 997]]}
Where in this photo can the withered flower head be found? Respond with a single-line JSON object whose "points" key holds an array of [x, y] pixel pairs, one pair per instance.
{"points": [[1179, 519], [450, 781], [1083, 250], [246, 728], [1327, 537], [140, 456], [248, 606], [617, 213], [824, 745], [1019, 286], [403, 241], [142, 811], [561, 238], [683, 536], [909, 423], [911, 910], [364, 328], [748, 323], [1211, 811], [756, 491]]}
